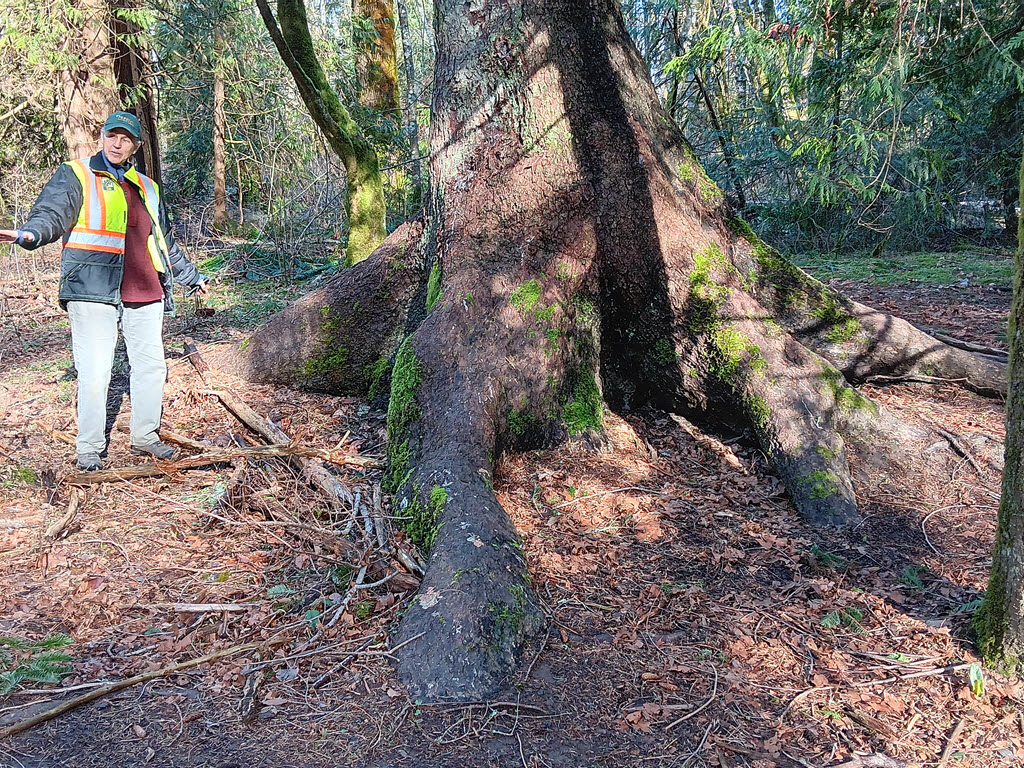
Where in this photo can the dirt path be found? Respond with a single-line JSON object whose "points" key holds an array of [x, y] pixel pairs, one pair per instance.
{"points": [[692, 620]]}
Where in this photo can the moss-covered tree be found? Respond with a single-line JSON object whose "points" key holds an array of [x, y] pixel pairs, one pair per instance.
{"points": [[574, 254], [999, 621], [376, 59], [365, 202]]}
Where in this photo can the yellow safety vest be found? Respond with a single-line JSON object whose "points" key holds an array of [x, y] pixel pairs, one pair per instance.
{"points": [[103, 218]]}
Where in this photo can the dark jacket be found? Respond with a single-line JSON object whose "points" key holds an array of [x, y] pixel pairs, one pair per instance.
{"points": [[92, 275]]}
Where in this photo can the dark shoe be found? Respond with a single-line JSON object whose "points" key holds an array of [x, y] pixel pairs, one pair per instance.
{"points": [[90, 462], [156, 450]]}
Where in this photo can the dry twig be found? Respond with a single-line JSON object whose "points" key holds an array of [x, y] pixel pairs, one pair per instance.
{"points": [[99, 693]]}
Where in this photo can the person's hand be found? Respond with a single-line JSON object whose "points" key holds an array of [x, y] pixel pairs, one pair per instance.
{"points": [[11, 235], [203, 287]]}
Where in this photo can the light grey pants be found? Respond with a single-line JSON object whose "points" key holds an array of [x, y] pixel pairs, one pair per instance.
{"points": [[93, 338]]}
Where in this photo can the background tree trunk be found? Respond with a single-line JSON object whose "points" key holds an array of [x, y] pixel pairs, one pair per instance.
{"points": [[574, 254], [409, 109], [220, 198], [376, 61], [88, 92], [999, 622], [134, 75]]}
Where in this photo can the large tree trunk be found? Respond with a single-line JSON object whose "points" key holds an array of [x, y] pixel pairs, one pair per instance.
{"points": [[574, 253], [1000, 620], [135, 79]]}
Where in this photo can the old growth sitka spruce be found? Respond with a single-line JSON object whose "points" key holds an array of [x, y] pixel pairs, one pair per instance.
{"points": [[573, 254]]}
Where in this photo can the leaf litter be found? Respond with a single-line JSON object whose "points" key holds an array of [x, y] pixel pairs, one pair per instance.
{"points": [[693, 620]]}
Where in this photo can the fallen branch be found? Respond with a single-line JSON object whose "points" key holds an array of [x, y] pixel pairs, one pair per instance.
{"points": [[952, 741], [205, 607], [755, 753], [959, 449], [220, 456], [56, 434], [911, 379], [60, 527], [701, 708], [872, 761], [173, 437], [968, 346], [99, 693]]}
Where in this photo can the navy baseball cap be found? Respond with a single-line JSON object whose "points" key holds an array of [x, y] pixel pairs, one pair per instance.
{"points": [[125, 121]]}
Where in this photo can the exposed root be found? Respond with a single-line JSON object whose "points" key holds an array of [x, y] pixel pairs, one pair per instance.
{"points": [[341, 337], [475, 604]]}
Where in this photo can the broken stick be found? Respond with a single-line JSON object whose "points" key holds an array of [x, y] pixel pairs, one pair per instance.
{"points": [[60, 527], [109, 688], [154, 469]]}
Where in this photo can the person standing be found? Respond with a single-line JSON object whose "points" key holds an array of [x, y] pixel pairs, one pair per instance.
{"points": [[118, 263]]}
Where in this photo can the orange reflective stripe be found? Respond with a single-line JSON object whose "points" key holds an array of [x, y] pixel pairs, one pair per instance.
{"points": [[101, 198], [97, 248]]}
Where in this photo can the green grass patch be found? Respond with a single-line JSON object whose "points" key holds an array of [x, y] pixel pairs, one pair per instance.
{"points": [[930, 268]]}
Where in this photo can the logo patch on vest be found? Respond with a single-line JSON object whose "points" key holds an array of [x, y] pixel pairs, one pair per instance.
{"points": [[108, 185]]}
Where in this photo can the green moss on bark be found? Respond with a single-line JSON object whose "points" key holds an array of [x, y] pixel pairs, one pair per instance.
{"points": [[376, 373], [821, 484], [585, 410], [846, 397], [433, 286], [402, 412], [526, 296]]}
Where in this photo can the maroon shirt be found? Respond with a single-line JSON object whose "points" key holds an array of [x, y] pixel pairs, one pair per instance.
{"points": [[141, 282]]}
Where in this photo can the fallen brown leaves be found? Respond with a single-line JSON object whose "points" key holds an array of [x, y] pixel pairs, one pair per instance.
{"points": [[693, 621]]}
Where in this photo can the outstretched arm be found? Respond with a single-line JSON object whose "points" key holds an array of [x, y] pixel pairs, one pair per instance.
{"points": [[53, 213]]}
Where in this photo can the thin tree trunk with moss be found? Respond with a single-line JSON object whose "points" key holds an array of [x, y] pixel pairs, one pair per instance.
{"points": [[999, 622], [375, 54], [574, 254], [365, 204]]}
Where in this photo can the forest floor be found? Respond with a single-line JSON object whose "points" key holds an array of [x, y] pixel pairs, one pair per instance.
{"points": [[693, 619]]}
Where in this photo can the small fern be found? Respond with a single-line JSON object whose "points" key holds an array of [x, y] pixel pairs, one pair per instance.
{"points": [[33, 661]]}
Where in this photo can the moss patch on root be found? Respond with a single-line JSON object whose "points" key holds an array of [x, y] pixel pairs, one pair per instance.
{"points": [[433, 286], [664, 353], [758, 410], [821, 484], [402, 412], [423, 521], [332, 356], [732, 350], [519, 422], [585, 410], [376, 373], [509, 618], [525, 297], [846, 397]]}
